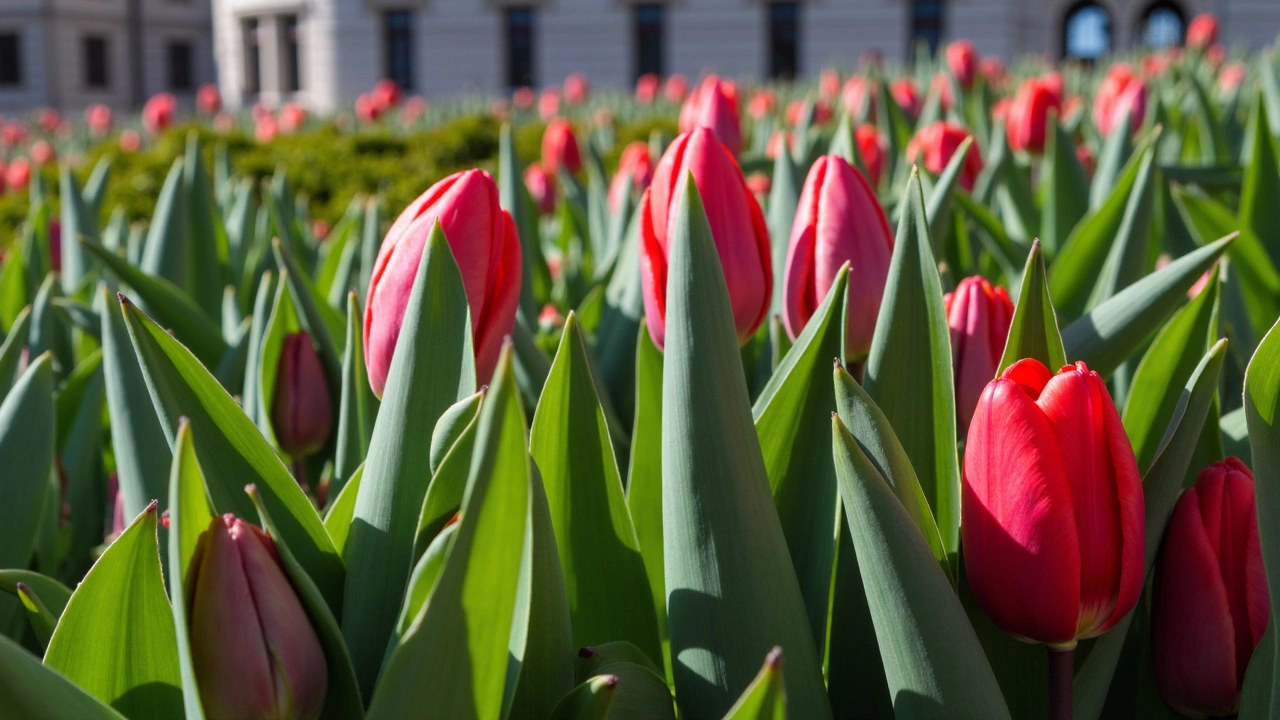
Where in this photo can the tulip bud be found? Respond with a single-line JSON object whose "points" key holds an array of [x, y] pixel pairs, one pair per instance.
{"points": [[18, 175], [386, 94], [42, 153], [1028, 119], [1203, 31], [576, 88], [714, 104], [762, 103], [962, 58], [993, 70], [560, 148], [936, 144], [676, 88], [737, 227], [157, 114], [829, 84], [907, 96], [1210, 603], [858, 98], [486, 247], [301, 411], [647, 87], [98, 118], [1120, 92], [130, 141], [637, 162], [979, 317], [839, 221], [1052, 517], [542, 187], [549, 104], [872, 148], [208, 100], [253, 649], [523, 98]]}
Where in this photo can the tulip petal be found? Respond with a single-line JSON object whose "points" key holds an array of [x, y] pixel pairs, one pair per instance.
{"points": [[798, 292]]}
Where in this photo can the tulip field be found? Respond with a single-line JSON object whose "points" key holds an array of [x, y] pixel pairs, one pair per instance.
{"points": [[945, 390]]}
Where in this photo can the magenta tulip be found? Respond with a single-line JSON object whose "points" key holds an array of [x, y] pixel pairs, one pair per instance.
{"points": [[560, 148], [302, 410], [714, 104], [978, 316]]}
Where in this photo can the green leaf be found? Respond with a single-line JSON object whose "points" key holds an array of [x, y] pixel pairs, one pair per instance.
{"points": [[766, 697], [604, 574], [52, 593], [42, 620], [1106, 336], [11, 349], [1064, 188], [164, 256], [614, 346], [1033, 332], [96, 186], [358, 406], [190, 514], [77, 222], [79, 413], [116, 638], [1116, 152], [932, 657], [512, 198], [641, 692], [592, 700], [464, 628], [784, 198], [732, 592], [263, 304], [230, 449], [1261, 185], [1262, 413], [452, 444], [282, 321], [13, 289], [29, 689], [909, 373], [937, 210], [341, 510], [315, 315], [27, 455], [432, 367], [203, 233]]}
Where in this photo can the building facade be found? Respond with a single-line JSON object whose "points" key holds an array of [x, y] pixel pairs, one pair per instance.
{"points": [[69, 54]]}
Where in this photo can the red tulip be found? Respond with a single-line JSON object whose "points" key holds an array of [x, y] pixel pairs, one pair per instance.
{"points": [[1120, 92], [560, 148], [576, 88], [907, 95], [762, 103], [858, 97], [302, 410], [781, 141], [367, 109], [265, 128], [42, 153], [542, 187], [962, 58], [254, 651], [98, 118], [130, 141], [1210, 603], [48, 119], [676, 88], [522, 98], [829, 84], [935, 144], [978, 316], [714, 104], [647, 87], [1052, 516], [1231, 77], [208, 100], [1215, 55], [839, 220], [18, 176], [759, 184], [636, 161], [737, 227], [1000, 111], [487, 249], [1027, 124], [292, 116], [942, 86], [873, 148], [1203, 31], [993, 70], [55, 245], [157, 114], [386, 94], [549, 104], [796, 110]]}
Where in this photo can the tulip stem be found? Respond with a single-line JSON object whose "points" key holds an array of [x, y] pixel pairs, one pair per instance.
{"points": [[1061, 676]]}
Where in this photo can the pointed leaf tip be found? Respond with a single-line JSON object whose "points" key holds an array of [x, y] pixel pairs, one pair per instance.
{"points": [[773, 660]]}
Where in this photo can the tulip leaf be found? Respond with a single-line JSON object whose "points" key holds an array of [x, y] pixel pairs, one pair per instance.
{"points": [[315, 315], [463, 631], [204, 235], [116, 637], [282, 322], [27, 457], [732, 592], [79, 413], [432, 367], [77, 222], [29, 689], [190, 514], [640, 693], [52, 593], [48, 332], [535, 279], [1064, 188], [932, 658], [452, 444], [592, 700], [790, 419], [1161, 487], [341, 510], [1262, 414], [358, 406], [604, 574], [263, 305], [909, 373], [1033, 332], [164, 254], [42, 620], [766, 697], [844, 144], [1256, 693], [784, 199], [1116, 152], [614, 346], [937, 210], [230, 449], [171, 306], [12, 347], [1261, 185], [1106, 336], [644, 478]]}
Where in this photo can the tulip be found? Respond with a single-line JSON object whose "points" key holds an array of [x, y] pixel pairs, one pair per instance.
{"points": [[1052, 516], [1203, 31], [858, 97], [796, 110], [48, 119], [759, 184], [367, 109], [839, 221], [386, 94], [993, 70], [576, 88], [942, 86], [873, 148], [157, 114], [265, 128], [130, 141], [603, 118], [208, 99], [1027, 124], [676, 88], [414, 108], [549, 104], [638, 163], [486, 247], [737, 227], [55, 245], [1231, 77], [254, 652], [1215, 55], [42, 153], [1210, 603], [98, 118], [936, 144], [962, 58], [907, 96], [714, 104], [781, 141], [1000, 110], [292, 115], [560, 148], [762, 103], [829, 84], [978, 316], [647, 87], [522, 98], [542, 187], [18, 175], [301, 411], [1120, 92]]}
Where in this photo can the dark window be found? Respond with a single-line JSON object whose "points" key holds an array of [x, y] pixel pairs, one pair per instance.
{"points": [[10, 59], [290, 73], [520, 47], [1163, 25], [252, 56], [95, 62], [1086, 31], [180, 65], [926, 23], [649, 32], [784, 39], [397, 30]]}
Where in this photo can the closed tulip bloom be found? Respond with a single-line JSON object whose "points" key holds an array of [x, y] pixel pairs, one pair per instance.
{"points": [[858, 97], [962, 58], [934, 146], [676, 88], [714, 104], [486, 247], [872, 148], [829, 83], [157, 114], [839, 221], [386, 94], [636, 162], [737, 228], [1027, 122], [208, 99], [1121, 92], [1052, 515], [978, 316], [18, 174], [549, 104], [560, 147], [302, 410], [1203, 31], [98, 118], [576, 88], [762, 103], [647, 87], [907, 95], [1210, 603], [992, 68], [255, 654], [542, 188]]}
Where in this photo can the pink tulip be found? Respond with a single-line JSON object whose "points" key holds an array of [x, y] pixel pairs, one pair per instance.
{"points": [[130, 141], [42, 153], [637, 162], [302, 409], [292, 116], [647, 87], [935, 144], [386, 95], [907, 96], [858, 98], [18, 175], [576, 88], [676, 88], [157, 114], [829, 84], [560, 148], [873, 149], [542, 187], [208, 99], [98, 118], [762, 103], [962, 58], [714, 104], [1120, 93], [978, 316], [549, 104], [1203, 31]]}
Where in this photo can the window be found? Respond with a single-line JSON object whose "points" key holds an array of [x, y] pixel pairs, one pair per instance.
{"points": [[649, 33], [1163, 25], [1086, 31], [397, 34], [10, 58], [179, 52], [520, 47], [252, 56], [784, 42], [926, 23], [95, 62], [290, 75]]}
